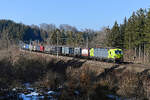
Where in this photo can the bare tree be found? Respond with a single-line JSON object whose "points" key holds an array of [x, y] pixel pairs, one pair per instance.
{"points": [[100, 38], [67, 27]]}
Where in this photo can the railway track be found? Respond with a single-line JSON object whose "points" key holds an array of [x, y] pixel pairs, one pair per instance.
{"points": [[72, 57], [91, 62], [98, 66]]}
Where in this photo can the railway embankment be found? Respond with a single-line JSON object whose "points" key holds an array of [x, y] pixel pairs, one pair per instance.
{"points": [[129, 80], [73, 77], [98, 66]]}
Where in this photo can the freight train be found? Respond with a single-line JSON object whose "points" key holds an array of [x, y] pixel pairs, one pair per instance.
{"points": [[104, 54]]}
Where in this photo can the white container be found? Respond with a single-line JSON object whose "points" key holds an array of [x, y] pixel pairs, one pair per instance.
{"points": [[85, 52], [30, 47]]}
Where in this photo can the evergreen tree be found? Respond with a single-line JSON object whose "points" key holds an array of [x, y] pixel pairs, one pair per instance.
{"points": [[122, 32], [114, 37], [130, 32], [147, 30]]}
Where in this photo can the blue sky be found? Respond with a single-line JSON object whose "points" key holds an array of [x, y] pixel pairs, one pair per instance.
{"points": [[93, 14]]}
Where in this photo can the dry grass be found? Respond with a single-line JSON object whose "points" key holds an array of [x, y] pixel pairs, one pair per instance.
{"points": [[90, 78], [128, 85]]}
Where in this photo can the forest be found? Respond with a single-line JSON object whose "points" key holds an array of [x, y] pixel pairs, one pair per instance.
{"points": [[132, 35], [72, 78]]}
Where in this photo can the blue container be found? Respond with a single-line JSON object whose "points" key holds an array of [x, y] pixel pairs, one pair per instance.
{"points": [[53, 50], [101, 53], [71, 51], [58, 49], [27, 46], [37, 48]]}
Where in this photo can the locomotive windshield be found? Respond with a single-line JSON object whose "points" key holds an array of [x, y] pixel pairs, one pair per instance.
{"points": [[118, 52]]}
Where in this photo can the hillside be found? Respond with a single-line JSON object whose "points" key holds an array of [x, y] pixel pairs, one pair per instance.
{"points": [[93, 79], [18, 31]]}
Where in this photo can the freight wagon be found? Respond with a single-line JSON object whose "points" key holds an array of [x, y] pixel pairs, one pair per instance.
{"points": [[115, 55], [71, 51], [47, 49], [58, 49], [30, 47], [21, 45], [85, 52], [38, 48], [26, 46], [41, 48], [77, 52], [65, 50], [34, 48], [50, 49]]}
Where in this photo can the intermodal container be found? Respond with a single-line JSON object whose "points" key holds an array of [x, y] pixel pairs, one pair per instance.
{"points": [[21, 45], [24, 46], [85, 52], [65, 50], [30, 47], [27, 46], [58, 49], [37, 48], [34, 48], [71, 51], [52, 49], [41, 48], [101, 53], [47, 49], [77, 51]]}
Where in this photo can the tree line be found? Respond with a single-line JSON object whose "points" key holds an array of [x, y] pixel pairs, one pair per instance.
{"points": [[133, 33], [44, 33]]}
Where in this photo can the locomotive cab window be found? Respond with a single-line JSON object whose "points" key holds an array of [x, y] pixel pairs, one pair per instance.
{"points": [[118, 52]]}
